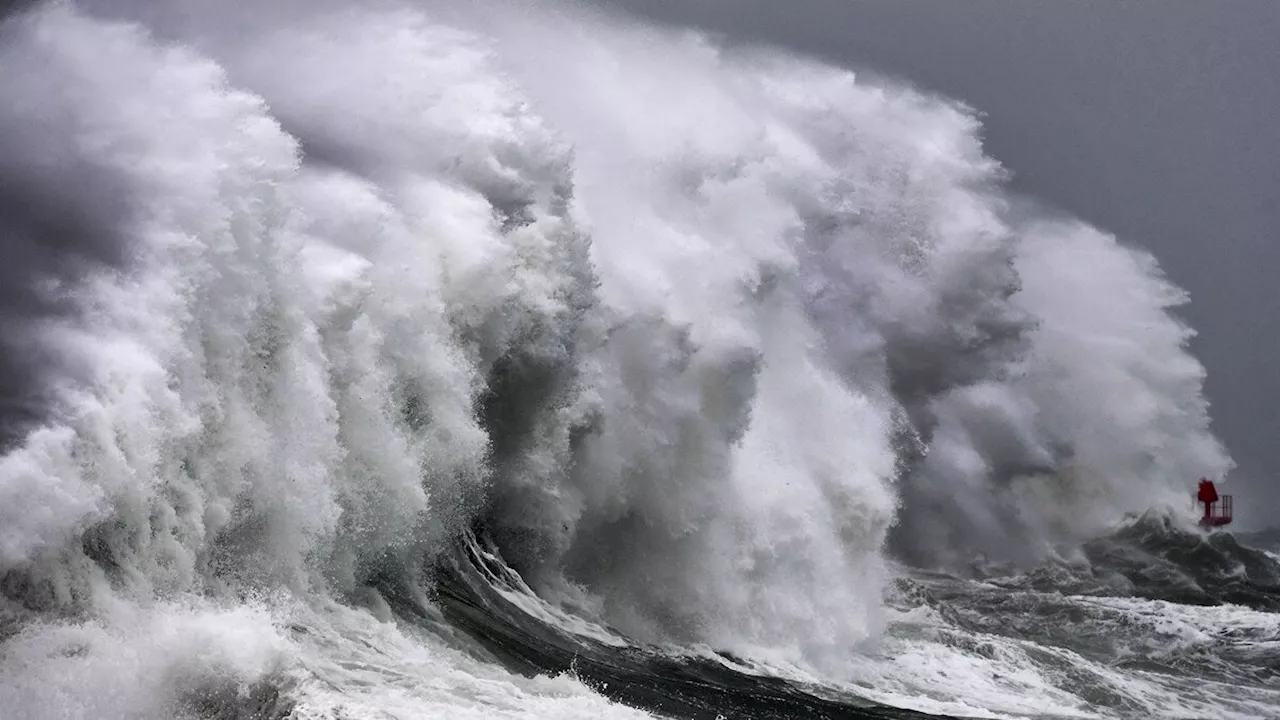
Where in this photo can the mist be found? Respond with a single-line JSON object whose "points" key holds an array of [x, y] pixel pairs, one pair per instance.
{"points": [[1155, 121], [64, 212]]}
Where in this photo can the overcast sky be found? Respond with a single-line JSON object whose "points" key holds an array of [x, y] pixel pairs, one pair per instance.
{"points": [[1156, 120]]}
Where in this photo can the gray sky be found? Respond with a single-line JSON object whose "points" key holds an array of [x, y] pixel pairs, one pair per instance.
{"points": [[1157, 120]]}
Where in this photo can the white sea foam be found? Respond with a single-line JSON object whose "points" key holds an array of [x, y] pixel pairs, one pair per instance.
{"points": [[668, 318]]}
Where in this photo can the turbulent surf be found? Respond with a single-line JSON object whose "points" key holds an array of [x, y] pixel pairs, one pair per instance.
{"points": [[392, 360]]}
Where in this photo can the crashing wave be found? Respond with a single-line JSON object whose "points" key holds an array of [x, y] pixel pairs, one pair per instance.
{"points": [[1154, 556], [685, 341]]}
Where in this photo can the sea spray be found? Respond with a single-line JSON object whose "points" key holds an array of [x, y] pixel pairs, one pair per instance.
{"points": [[685, 330]]}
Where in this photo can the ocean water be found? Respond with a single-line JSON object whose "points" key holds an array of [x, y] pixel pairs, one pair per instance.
{"points": [[401, 360]]}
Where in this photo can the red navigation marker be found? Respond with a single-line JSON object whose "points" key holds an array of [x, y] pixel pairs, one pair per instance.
{"points": [[1217, 508]]}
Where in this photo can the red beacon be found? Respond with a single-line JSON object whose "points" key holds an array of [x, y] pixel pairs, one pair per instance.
{"points": [[1217, 508]]}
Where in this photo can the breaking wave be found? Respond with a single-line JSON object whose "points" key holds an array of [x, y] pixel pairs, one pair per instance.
{"points": [[310, 304]]}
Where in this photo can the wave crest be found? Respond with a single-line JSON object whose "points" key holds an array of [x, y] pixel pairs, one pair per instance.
{"points": [[684, 330]]}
